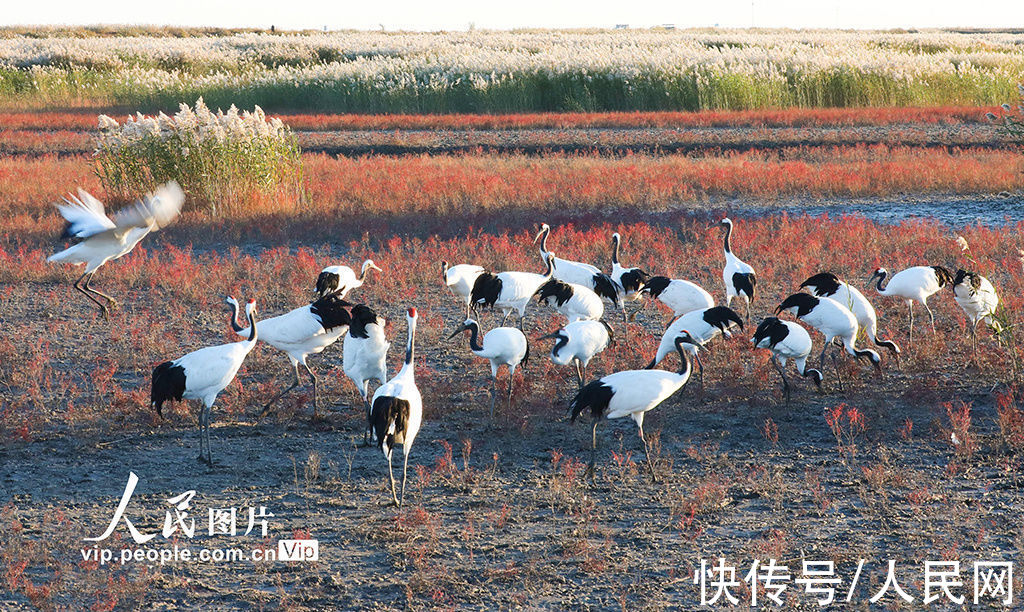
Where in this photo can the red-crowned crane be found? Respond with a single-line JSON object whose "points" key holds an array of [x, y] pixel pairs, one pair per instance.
{"points": [[913, 285], [510, 290], [704, 325], [577, 272], [102, 239], [397, 410], [681, 296], [364, 353], [977, 298], [575, 302], [631, 393], [827, 284], [834, 321], [786, 340], [739, 278], [578, 343], [202, 375], [629, 280], [502, 346], [341, 279], [460, 279], [299, 333]]}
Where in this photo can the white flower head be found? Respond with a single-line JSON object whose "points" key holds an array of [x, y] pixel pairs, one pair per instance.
{"points": [[107, 123]]}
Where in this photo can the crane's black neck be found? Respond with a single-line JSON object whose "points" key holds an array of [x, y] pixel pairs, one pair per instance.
{"points": [[684, 358], [881, 277], [615, 249], [362, 273], [544, 240], [234, 318], [410, 346], [551, 267], [474, 337], [728, 235], [252, 326]]}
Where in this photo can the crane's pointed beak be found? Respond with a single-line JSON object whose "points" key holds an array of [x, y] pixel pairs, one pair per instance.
{"points": [[458, 331], [550, 336]]}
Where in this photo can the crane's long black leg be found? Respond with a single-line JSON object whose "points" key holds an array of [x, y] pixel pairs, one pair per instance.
{"points": [[782, 373], [86, 293], [368, 433], [494, 394], [405, 472], [294, 384], [391, 475], [312, 376], [930, 315], [510, 376], [209, 449], [835, 364], [202, 407], [910, 307], [88, 280], [647, 453]]}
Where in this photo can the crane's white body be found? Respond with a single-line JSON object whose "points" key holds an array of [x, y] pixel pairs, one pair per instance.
{"points": [[851, 297], [208, 371], [101, 248], [503, 346], [516, 290], [786, 340], [583, 305], [635, 392], [403, 386], [914, 284], [298, 333], [683, 296], [833, 320], [979, 304], [364, 359], [631, 393], [733, 265], [629, 280], [346, 279], [584, 340], [701, 330], [459, 279], [796, 345]]}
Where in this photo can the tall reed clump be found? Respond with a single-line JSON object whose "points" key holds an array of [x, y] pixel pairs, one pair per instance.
{"points": [[222, 159]]}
